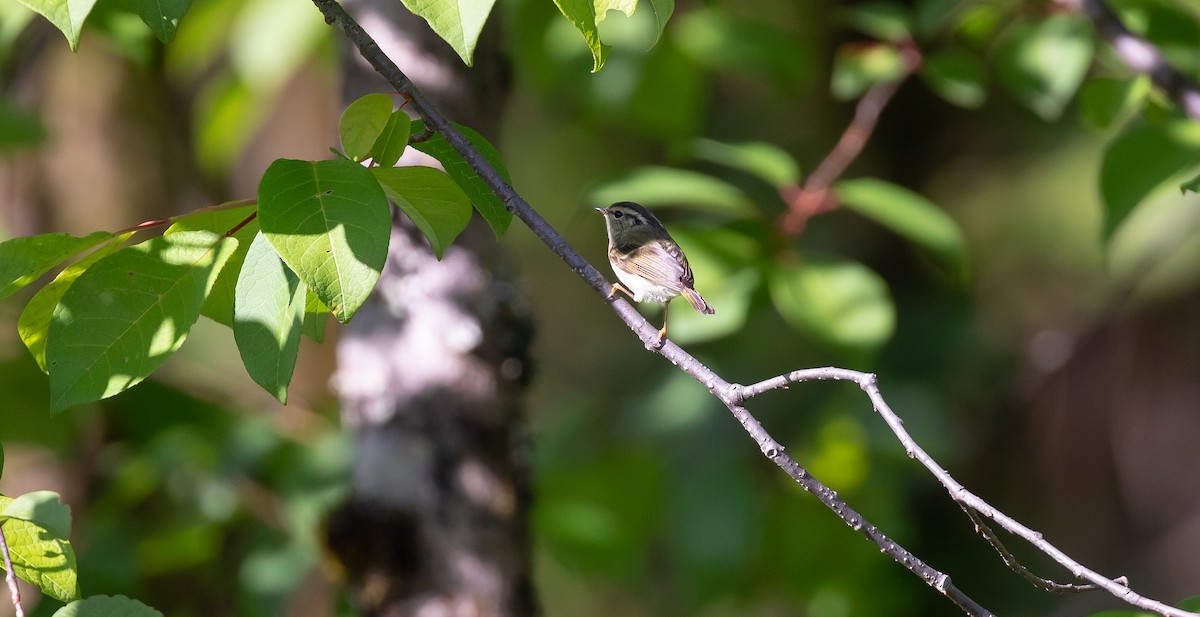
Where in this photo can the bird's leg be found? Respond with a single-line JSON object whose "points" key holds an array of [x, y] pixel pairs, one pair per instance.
{"points": [[612, 293], [662, 333]]}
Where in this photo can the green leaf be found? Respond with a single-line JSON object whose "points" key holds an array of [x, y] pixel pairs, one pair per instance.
{"points": [[106, 606], [218, 306], [161, 15], [330, 222], [458, 22], [1192, 185], [393, 140], [663, 9], [23, 260], [125, 315], [316, 315], [431, 199], [839, 302], [1142, 161], [268, 314], [766, 161], [884, 20], [912, 216], [41, 559], [582, 15], [1043, 62], [66, 15], [957, 76], [497, 216], [362, 123], [34, 323], [857, 67], [42, 508], [666, 186], [1105, 102]]}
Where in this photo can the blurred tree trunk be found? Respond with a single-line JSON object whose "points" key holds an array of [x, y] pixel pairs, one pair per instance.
{"points": [[430, 376]]}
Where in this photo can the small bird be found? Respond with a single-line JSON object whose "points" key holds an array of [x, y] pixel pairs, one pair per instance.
{"points": [[648, 263]]}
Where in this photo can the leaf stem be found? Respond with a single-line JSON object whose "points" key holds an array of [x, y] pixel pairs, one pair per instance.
{"points": [[229, 205], [10, 576]]}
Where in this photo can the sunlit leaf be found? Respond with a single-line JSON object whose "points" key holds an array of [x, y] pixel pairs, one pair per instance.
{"points": [[34, 323], [393, 140], [839, 302], [912, 216], [1043, 62], [489, 206], [268, 314], [106, 606], [41, 559], [23, 260], [66, 15], [218, 306], [161, 15], [1144, 160], [330, 222], [125, 315], [431, 199], [582, 15], [857, 67], [43, 509], [663, 9], [1105, 102], [316, 315], [667, 186], [362, 123], [458, 22], [766, 161], [957, 76]]}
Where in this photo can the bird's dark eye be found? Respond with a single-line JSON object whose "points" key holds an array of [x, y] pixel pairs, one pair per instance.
{"points": [[618, 214]]}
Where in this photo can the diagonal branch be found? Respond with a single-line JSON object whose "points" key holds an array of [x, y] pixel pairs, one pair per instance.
{"points": [[735, 395], [1141, 56], [10, 576]]}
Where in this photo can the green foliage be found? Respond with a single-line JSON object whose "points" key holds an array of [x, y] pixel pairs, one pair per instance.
{"points": [[458, 22], [34, 322], [654, 187], [40, 557], [583, 15], [497, 216], [66, 15], [218, 306], [268, 315], [766, 161], [363, 123], [125, 315], [42, 509], [1106, 102], [1044, 62], [161, 15], [957, 76], [329, 221], [841, 303], [393, 140], [858, 67], [430, 199], [23, 260], [1144, 160], [106, 606], [882, 19], [910, 215]]}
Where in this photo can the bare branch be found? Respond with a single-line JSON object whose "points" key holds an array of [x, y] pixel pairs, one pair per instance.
{"points": [[1013, 564], [10, 576], [734, 395]]}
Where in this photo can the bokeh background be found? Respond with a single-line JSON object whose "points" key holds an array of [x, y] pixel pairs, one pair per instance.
{"points": [[1059, 378]]}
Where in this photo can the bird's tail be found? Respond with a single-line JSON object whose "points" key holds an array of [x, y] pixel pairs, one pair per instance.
{"points": [[697, 301]]}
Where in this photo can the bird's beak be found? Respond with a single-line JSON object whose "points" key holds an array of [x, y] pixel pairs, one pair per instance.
{"points": [[603, 211]]}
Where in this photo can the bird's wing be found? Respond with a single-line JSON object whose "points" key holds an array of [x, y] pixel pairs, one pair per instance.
{"points": [[661, 262]]}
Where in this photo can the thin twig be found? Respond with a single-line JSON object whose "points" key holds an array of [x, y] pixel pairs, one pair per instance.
{"points": [[734, 395], [10, 576], [868, 383], [813, 198], [1010, 560], [1140, 55], [229, 205]]}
